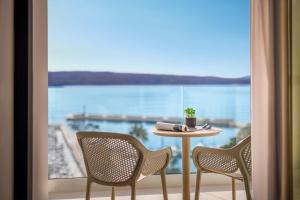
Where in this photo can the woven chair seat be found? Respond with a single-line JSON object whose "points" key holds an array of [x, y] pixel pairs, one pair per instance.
{"points": [[115, 159], [216, 160], [234, 162]]}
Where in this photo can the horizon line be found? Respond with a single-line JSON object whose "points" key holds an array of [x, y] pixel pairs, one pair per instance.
{"points": [[161, 74]]}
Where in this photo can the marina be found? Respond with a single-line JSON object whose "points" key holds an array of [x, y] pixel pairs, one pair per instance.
{"points": [[228, 123]]}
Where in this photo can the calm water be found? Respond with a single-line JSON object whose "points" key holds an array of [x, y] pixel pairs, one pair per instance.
{"points": [[229, 102]]}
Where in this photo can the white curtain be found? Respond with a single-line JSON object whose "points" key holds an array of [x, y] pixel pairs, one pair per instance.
{"points": [[270, 81]]}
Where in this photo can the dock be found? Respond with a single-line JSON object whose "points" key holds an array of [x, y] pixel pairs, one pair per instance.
{"points": [[225, 123]]}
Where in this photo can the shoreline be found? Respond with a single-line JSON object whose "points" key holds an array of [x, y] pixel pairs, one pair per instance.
{"points": [[64, 158]]}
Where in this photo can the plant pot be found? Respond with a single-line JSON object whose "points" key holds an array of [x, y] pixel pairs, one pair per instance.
{"points": [[190, 122]]}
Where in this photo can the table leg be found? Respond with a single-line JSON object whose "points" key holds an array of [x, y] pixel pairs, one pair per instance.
{"points": [[186, 168]]}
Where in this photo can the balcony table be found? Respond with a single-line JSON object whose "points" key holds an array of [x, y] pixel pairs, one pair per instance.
{"points": [[186, 152]]}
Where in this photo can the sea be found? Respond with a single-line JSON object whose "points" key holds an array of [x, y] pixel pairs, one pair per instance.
{"points": [[210, 101]]}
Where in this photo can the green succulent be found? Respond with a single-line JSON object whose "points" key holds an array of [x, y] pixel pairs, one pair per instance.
{"points": [[190, 112]]}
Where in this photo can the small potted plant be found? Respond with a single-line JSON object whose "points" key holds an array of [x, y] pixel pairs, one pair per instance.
{"points": [[190, 117]]}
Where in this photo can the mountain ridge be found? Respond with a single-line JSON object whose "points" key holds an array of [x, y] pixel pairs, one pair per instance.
{"points": [[65, 78]]}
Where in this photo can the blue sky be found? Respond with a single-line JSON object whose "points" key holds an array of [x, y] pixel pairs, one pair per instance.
{"points": [[185, 37]]}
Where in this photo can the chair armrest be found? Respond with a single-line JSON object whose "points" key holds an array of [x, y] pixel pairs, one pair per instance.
{"points": [[215, 160], [156, 161]]}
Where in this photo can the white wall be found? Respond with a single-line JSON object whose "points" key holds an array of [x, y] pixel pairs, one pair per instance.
{"points": [[6, 99]]}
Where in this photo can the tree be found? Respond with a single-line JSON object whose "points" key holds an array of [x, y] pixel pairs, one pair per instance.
{"points": [[139, 132], [230, 144], [243, 133]]}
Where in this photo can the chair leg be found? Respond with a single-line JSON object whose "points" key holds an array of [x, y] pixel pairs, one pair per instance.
{"points": [[247, 188], [88, 189], [198, 180], [163, 183], [133, 192], [233, 189], [113, 193]]}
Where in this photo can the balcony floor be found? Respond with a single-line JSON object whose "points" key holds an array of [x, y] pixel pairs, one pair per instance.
{"points": [[203, 196], [207, 193]]}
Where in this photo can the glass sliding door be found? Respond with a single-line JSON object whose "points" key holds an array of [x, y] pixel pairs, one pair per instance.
{"points": [[121, 66]]}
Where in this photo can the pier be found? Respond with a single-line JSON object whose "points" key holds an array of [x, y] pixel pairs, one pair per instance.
{"points": [[226, 123]]}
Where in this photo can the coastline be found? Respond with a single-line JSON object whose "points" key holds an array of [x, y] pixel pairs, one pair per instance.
{"points": [[66, 78]]}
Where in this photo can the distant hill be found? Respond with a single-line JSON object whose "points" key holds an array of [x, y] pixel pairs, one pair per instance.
{"points": [[64, 78]]}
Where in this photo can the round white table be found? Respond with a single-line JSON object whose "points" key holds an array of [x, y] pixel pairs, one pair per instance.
{"points": [[186, 152]]}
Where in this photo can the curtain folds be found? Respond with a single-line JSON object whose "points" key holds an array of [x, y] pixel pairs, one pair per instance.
{"points": [[271, 99]]}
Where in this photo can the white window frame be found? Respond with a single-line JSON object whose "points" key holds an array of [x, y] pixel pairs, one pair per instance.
{"points": [[40, 99]]}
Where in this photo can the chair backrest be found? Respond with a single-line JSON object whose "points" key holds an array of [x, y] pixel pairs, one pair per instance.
{"points": [[244, 154], [110, 157]]}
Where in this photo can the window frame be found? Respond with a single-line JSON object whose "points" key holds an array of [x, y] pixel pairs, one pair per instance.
{"points": [[40, 120]]}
